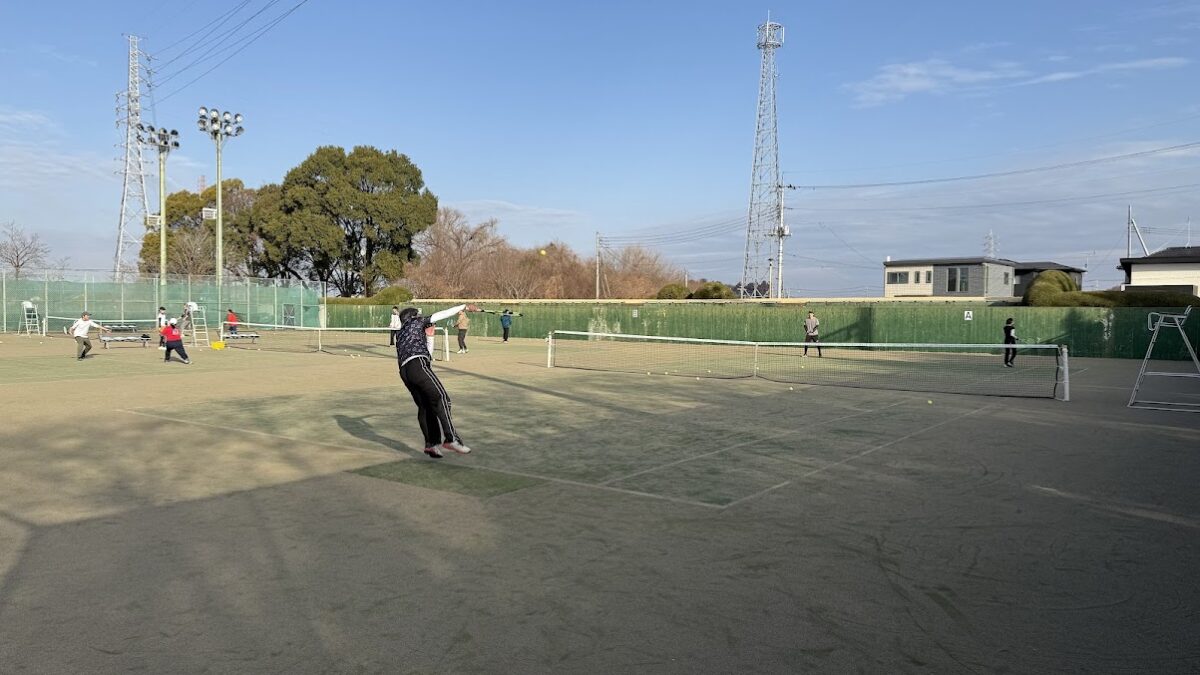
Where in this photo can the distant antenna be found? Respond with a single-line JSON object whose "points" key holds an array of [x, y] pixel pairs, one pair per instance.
{"points": [[200, 185], [1132, 229], [990, 245], [765, 220]]}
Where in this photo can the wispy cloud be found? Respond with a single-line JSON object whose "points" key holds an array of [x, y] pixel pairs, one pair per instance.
{"points": [[15, 121], [897, 81], [1124, 66]]}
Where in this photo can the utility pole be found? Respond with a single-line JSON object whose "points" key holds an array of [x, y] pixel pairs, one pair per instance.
{"points": [[134, 206], [1132, 229], [597, 265], [764, 219]]}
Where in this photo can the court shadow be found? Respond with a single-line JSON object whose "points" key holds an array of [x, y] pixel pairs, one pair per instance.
{"points": [[359, 428]]}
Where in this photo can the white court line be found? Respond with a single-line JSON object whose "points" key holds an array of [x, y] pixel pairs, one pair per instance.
{"points": [[745, 443], [859, 455], [1135, 510], [390, 453]]}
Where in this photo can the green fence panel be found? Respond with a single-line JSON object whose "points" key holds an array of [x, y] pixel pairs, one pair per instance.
{"points": [[1118, 332]]}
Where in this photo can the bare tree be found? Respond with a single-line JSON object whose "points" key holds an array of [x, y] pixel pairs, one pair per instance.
{"points": [[453, 253], [193, 251], [21, 251], [636, 272]]}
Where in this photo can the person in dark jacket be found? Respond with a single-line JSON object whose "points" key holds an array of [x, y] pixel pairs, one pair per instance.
{"points": [[416, 371], [1010, 338]]}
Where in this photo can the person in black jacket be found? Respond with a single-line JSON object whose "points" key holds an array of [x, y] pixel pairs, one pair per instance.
{"points": [[1010, 338], [416, 371]]}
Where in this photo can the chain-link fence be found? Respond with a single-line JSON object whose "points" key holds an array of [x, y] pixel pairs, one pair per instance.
{"points": [[133, 297]]}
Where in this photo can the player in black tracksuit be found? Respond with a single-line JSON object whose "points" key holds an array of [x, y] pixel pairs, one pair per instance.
{"points": [[433, 403], [1010, 338]]}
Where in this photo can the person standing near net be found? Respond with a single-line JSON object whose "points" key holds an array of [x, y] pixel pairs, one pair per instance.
{"points": [[1010, 338], [79, 330], [416, 372], [231, 321], [462, 324], [812, 328], [174, 339], [506, 322], [394, 326], [161, 320]]}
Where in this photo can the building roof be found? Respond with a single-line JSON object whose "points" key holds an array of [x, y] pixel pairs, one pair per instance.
{"points": [[1167, 256], [1019, 266], [1046, 265], [950, 261]]}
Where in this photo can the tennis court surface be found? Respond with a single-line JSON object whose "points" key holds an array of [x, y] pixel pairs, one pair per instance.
{"points": [[270, 512]]}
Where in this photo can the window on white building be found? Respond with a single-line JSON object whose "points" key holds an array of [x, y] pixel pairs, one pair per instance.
{"points": [[897, 277]]}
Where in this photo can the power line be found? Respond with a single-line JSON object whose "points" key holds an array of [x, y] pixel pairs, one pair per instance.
{"points": [[211, 45], [999, 174], [222, 18], [253, 38]]}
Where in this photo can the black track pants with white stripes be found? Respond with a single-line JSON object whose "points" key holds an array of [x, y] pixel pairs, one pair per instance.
{"points": [[433, 403]]}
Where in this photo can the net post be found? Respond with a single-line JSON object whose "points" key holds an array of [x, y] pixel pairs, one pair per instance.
{"points": [[1065, 364], [550, 349], [320, 347], [755, 373]]}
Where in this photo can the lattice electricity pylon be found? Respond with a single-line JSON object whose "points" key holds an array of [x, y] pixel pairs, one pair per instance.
{"points": [[765, 219], [1156, 321], [134, 206]]}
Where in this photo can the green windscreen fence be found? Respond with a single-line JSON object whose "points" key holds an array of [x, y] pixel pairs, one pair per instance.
{"points": [[1118, 332], [133, 298]]}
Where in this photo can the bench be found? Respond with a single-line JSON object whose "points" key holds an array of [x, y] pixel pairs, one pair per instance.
{"points": [[105, 339], [252, 337]]}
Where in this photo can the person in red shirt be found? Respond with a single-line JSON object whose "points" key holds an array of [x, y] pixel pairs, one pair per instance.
{"points": [[231, 321], [174, 339]]}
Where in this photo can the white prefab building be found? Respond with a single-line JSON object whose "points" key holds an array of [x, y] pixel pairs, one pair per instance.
{"points": [[965, 277], [1176, 268]]}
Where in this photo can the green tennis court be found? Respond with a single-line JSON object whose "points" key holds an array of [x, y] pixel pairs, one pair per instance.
{"points": [[270, 511]]}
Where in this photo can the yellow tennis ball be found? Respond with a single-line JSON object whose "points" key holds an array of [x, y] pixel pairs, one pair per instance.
{"points": [[929, 402], [542, 252], [791, 389]]}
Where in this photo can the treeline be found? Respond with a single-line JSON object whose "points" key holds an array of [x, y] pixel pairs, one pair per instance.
{"points": [[363, 221]]}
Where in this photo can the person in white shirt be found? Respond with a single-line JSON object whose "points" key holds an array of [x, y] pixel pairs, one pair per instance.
{"points": [[79, 330], [394, 326], [162, 323]]}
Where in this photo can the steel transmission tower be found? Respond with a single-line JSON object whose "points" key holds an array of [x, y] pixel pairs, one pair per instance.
{"points": [[765, 220], [134, 205]]}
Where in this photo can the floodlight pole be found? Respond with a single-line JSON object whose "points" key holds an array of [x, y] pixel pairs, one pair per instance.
{"points": [[220, 126], [164, 141]]}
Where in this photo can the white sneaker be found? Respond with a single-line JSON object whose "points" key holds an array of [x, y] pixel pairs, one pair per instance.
{"points": [[459, 351], [187, 361], [162, 349], [456, 446]]}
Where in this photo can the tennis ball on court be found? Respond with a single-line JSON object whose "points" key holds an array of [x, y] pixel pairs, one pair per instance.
{"points": [[929, 402], [647, 372], [697, 378], [791, 389]]}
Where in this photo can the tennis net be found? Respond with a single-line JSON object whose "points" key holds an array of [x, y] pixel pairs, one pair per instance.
{"points": [[1039, 370], [342, 341]]}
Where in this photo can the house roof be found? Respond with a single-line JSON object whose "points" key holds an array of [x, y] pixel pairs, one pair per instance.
{"points": [[950, 261], [1018, 266], [1172, 255], [1046, 265]]}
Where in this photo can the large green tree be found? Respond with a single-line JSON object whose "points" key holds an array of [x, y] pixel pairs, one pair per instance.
{"points": [[349, 218], [191, 240]]}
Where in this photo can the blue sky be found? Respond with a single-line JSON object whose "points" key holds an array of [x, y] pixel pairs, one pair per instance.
{"points": [[563, 119]]}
